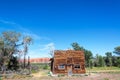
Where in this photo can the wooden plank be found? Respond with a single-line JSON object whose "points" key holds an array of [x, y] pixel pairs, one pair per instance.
{"points": [[69, 58]]}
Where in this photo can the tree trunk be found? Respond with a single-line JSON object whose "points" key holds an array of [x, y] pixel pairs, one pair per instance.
{"points": [[24, 61]]}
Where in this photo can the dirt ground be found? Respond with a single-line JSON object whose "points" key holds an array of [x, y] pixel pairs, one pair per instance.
{"points": [[93, 76]]}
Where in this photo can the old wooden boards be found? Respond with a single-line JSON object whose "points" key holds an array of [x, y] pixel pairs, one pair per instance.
{"points": [[68, 62]]}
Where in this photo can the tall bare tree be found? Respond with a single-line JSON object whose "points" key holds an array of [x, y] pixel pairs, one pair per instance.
{"points": [[27, 40]]}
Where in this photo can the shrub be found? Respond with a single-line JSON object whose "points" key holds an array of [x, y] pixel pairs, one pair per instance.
{"points": [[105, 79]]}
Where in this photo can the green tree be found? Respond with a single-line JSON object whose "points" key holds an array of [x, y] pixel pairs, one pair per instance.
{"points": [[108, 58], [13, 64], [118, 63], [9, 45], [91, 63], [88, 54], [108, 54], [76, 46], [114, 61], [8, 48], [96, 61], [117, 50], [101, 61]]}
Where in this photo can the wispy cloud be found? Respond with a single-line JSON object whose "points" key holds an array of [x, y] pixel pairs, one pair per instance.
{"points": [[49, 46], [24, 30], [7, 22], [42, 50], [34, 36]]}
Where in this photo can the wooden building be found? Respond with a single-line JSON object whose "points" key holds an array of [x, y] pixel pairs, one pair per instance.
{"points": [[68, 62]]}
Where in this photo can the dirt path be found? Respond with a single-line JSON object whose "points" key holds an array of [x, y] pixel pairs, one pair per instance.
{"points": [[39, 74]]}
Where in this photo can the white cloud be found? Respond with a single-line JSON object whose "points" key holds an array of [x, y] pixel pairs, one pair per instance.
{"points": [[24, 30], [41, 51], [49, 46], [34, 36], [8, 22]]}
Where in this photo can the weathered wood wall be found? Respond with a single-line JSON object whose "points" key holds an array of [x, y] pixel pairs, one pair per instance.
{"points": [[69, 58]]}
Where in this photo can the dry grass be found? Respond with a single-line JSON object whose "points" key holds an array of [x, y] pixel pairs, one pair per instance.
{"points": [[96, 74], [92, 76]]}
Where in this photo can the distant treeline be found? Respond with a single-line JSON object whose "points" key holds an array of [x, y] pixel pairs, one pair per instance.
{"points": [[99, 60]]}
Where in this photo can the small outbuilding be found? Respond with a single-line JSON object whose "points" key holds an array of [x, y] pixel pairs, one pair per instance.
{"points": [[68, 62]]}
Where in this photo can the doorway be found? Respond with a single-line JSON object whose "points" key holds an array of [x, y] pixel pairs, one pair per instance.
{"points": [[69, 69]]}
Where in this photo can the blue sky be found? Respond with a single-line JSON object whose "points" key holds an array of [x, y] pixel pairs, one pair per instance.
{"points": [[94, 24]]}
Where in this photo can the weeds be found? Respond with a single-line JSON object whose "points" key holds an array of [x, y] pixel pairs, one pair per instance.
{"points": [[105, 79]]}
